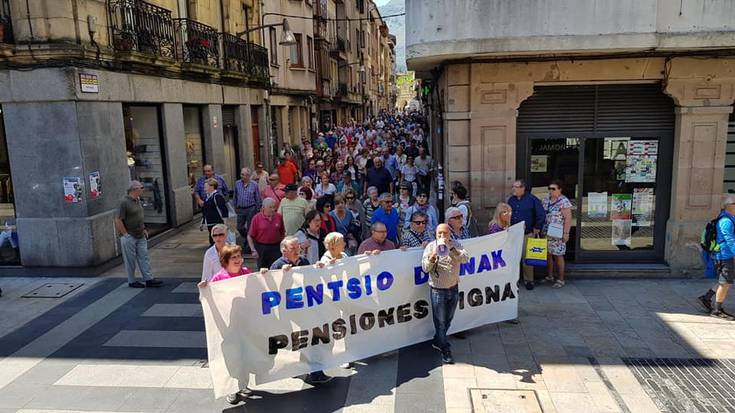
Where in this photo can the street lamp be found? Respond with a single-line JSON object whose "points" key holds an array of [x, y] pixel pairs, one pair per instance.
{"points": [[287, 36]]}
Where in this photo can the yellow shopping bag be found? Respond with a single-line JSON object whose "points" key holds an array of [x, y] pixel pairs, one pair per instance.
{"points": [[536, 251]]}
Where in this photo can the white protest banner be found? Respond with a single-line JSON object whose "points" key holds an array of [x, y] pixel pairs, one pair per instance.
{"points": [[283, 324]]}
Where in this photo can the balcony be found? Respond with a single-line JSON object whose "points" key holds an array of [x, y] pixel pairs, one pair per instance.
{"points": [[245, 58], [339, 45], [138, 26], [342, 90], [197, 43]]}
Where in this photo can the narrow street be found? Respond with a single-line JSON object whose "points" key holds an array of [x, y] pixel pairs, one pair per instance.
{"points": [[606, 345]]}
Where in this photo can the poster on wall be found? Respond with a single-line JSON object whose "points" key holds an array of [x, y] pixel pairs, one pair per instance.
{"points": [[620, 206], [643, 206], [616, 148], [597, 204], [539, 163], [95, 187], [640, 165], [621, 232], [72, 189]]}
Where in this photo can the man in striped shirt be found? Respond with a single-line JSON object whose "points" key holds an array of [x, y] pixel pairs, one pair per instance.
{"points": [[247, 203]]}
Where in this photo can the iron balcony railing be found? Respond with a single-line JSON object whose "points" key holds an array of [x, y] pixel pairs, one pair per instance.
{"points": [[244, 57], [197, 42], [142, 27]]}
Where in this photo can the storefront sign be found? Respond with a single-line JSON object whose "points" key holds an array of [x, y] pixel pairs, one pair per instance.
{"points": [[89, 83], [620, 206], [95, 187], [643, 206], [282, 324], [72, 189], [597, 204]]}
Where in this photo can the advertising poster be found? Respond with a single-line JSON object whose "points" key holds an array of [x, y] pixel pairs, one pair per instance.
{"points": [[95, 188], [539, 163], [620, 206], [616, 148], [643, 206], [620, 170], [621, 232], [72, 189], [640, 165], [597, 205]]}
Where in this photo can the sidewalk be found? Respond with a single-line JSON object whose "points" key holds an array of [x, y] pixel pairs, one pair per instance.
{"points": [[593, 346]]}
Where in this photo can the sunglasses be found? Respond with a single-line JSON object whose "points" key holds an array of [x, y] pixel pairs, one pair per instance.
{"points": [[218, 235], [419, 222], [552, 188], [327, 205], [350, 197]]}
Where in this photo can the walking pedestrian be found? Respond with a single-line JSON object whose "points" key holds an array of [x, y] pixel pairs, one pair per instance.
{"points": [[211, 264], [422, 205], [130, 225], [388, 216], [290, 257], [247, 203], [453, 217], [417, 235], [311, 236], [293, 209], [724, 260], [200, 193], [265, 234], [214, 209], [260, 176], [377, 241], [274, 189], [443, 270]]}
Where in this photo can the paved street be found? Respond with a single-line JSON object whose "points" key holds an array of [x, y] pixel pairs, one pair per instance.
{"points": [[594, 346]]}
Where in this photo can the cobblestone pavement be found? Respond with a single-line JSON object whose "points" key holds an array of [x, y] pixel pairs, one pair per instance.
{"points": [[593, 346]]}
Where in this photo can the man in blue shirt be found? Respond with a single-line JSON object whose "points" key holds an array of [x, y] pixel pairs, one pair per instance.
{"points": [[526, 208], [388, 216], [724, 259], [199, 193]]}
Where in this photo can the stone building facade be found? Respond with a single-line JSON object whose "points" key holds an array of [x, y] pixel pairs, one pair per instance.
{"points": [[628, 103]]}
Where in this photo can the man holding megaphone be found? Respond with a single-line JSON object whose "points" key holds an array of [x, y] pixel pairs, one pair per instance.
{"points": [[441, 260]]}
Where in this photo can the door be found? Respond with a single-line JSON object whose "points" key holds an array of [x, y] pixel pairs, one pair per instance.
{"points": [[612, 146]]}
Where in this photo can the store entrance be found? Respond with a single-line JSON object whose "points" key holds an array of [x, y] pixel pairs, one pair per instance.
{"points": [[615, 185]]}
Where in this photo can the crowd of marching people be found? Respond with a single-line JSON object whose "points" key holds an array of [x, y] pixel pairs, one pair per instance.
{"points": [[357, 189]]}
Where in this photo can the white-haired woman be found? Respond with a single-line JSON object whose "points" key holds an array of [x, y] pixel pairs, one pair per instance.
{"points": [[335, 244]]}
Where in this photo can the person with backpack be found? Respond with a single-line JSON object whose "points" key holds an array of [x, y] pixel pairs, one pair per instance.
{"points": [[459, 200], [722, 231]]}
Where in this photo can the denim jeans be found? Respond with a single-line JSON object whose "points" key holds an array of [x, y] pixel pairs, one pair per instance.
{"points": [[135, 250], [443, 305]]}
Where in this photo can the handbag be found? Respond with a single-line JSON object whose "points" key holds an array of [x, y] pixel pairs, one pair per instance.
{"points": [[555, 230], [536, 252]]}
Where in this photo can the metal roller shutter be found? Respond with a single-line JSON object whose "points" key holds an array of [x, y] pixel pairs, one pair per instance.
{"points": [[228, 117], [596, 108]]}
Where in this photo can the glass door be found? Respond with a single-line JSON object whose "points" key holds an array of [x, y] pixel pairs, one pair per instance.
{"points": [[619, 199], [556, 157], [619, 187]]}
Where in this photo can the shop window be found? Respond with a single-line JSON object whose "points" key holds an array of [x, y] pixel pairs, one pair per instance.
{"points": [[194, 147], [146, 162], [9, 252]]}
